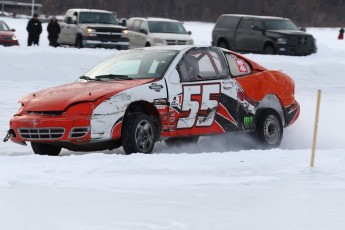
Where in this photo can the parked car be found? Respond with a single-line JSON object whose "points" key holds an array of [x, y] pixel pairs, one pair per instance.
{"points": [[172, 93], [7, 36], [262, 34], [92, 28], [144, 32]]}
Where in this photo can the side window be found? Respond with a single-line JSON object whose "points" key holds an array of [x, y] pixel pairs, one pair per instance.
{"points": [[136, 25], [143, 27], [238, 66], [247, 24], [202, 64]]}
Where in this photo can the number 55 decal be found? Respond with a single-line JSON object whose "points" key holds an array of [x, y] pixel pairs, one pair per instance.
{"points": [[199, 105]]}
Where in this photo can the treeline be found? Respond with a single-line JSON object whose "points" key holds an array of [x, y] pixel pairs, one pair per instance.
{"points": [[316, 13]]}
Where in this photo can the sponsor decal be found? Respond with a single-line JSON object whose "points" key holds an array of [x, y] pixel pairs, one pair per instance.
{"points": [[248, 120], [156, 87], [177, 100], [241, 65]]}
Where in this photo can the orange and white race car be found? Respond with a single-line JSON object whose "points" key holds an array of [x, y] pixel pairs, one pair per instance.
{"points": [[174, 93]]}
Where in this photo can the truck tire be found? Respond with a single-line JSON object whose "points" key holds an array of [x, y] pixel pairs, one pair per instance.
{"points": [[269, 129], [138, 133], [223, 44], [179, 141], [79, 42], [269, 49], [45, 149]]}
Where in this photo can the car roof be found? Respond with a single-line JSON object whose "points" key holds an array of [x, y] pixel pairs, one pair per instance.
{"points": [[156, 19], [90, 10], [253, 16]]}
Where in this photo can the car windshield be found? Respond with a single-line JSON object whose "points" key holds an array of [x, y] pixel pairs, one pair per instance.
{"points": [[133, 64], [280, 25], [166, 27], [95, 17], [4, 27]]}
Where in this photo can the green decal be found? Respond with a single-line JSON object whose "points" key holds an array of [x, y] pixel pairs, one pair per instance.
{"points": [[248, 120]]}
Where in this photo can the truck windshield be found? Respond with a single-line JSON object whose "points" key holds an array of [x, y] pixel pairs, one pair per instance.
{"points": [[133, 64], [166, 27], [279, 25], [97, 17]]}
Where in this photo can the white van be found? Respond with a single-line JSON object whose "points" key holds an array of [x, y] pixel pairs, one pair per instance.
{"points": [[144, 32]]}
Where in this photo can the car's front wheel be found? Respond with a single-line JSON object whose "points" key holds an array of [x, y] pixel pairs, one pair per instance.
{"points": [[269, 49], [269, 129], [79, 42], [138, 133], [45, 149]]}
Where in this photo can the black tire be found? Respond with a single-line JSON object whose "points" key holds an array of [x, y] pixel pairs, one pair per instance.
{"points": [[45, 149], [269, 129], [269, 49], [79, 42], [138, 133], [179, 141], [223, 44]]}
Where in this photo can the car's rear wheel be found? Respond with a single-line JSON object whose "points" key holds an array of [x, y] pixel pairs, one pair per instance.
{"points": [[269, 49], [138, 133], [179, 141], [45, 149], [223, 44], [269, 129]]}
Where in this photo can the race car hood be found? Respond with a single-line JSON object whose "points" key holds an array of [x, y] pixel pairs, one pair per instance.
{"points": [[60, 97]]}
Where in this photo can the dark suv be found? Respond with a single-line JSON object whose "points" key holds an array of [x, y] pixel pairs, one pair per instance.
{"points": [[262, 34]]}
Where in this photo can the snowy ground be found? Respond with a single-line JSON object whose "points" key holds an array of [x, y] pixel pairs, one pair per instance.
{"points": [[221, 183]]}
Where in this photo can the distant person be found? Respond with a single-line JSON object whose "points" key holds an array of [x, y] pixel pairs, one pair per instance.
{"points": [[54, 30], [341, 34], [34, 29]]}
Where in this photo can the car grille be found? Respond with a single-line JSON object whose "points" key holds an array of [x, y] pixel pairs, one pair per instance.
{"points": [[41, 133], [78, 132], [176, 42], [302, 40]]}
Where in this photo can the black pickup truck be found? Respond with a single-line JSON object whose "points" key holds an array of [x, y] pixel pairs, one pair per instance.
{"points": [[262, 34]]}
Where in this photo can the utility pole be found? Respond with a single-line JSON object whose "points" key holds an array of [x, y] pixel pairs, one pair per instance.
{"points": [[3, 6], [33, 8]]}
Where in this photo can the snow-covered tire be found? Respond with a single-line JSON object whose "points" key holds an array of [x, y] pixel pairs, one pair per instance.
{"points": [[45, 149], [269, 129], [138, 133], [179, 141]]}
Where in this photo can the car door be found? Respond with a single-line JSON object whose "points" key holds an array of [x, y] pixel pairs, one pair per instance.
{"points": [[249, 35], [200, 100]]}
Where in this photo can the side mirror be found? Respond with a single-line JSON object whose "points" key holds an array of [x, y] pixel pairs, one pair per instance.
{"points": [[13, 30], [190, 32], [302, 29], [143, 31], [123, 22], [174, 77], [69, 20]]}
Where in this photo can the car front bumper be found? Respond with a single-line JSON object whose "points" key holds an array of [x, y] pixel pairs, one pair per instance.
{"points": [[38, 128], [121, 44]]}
